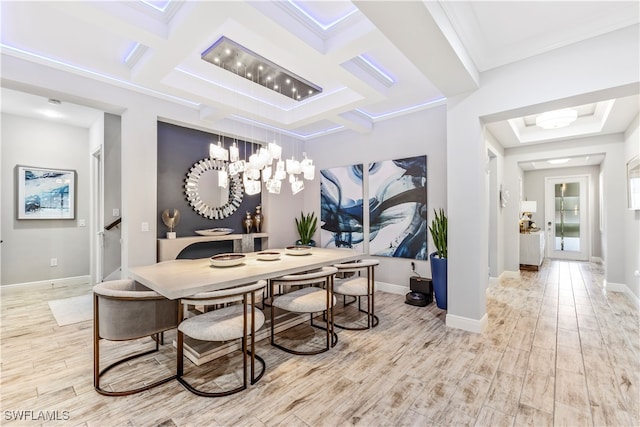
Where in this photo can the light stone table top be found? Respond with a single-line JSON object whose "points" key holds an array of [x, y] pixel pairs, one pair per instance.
{"points": [[181, 278]]}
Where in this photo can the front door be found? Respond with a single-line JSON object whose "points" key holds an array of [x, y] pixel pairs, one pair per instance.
{"points": [[566, 218]]}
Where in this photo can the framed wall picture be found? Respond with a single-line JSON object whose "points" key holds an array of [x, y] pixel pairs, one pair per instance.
{"points": [[342, 211], [633, 183], [45, 193], [398, 208]]}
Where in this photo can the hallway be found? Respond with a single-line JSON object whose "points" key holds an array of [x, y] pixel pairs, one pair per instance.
{"points": [[558, 350]]}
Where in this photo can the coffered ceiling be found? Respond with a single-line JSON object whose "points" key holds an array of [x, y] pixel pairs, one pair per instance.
{"points": [[343, 47]]}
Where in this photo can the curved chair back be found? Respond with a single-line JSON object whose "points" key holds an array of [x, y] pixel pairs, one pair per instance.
{"points": [[126, 310], [353, 267], [227, 295], [305, 278]]}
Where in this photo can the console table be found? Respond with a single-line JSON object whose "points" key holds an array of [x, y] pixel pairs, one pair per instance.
{"points": [[531, 250], [169, 249]]}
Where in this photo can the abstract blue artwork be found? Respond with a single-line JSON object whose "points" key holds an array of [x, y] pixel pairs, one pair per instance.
{"points": [[341, 216], [398, 208], [45, 193]]}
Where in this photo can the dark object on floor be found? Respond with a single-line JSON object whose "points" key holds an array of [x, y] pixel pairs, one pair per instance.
{"points": [[416, 298], [424, 285]]}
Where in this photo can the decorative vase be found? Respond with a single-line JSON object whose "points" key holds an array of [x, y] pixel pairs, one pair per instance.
{"points": [[439, 278], [258, 219], [248, 222]]}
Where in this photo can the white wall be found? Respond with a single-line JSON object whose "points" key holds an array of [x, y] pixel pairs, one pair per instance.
{"points": [[29, 245], [496, 211], [632, 218], [420, 133]]}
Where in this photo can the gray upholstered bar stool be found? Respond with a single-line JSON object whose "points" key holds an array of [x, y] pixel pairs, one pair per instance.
{"points": [[239, 319], [125, 310], [308, 299], [358, 287]]}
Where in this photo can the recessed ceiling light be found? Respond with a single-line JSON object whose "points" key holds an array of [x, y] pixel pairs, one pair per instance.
{"points": [[557, 161], [556, 119]]}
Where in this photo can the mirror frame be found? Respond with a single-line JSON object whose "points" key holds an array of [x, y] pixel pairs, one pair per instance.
{"points": [[191, 190]]}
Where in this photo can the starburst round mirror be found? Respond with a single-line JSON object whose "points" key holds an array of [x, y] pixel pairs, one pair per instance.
{"points": [[204, 193]]}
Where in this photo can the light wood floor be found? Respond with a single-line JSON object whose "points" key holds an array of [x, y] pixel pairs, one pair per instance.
{"points": [[558, 350]]}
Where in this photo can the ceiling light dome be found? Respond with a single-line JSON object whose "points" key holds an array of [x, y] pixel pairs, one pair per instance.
{"points": [[556, 119]]}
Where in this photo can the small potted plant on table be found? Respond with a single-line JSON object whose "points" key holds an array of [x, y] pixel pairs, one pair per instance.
{"points": [[307, 226]]}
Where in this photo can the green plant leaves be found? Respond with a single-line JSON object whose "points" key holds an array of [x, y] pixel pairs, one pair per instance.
{"points": [[306, 225], [438, 229]]}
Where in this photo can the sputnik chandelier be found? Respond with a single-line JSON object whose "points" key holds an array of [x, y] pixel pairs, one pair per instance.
{"points": [[266, 165]]}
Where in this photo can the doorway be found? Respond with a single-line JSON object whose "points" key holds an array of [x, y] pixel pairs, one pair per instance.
{"points": [[97, 233], [566, 219]]}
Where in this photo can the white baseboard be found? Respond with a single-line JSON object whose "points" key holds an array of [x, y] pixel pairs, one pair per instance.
{"points": [[48, 284], [622, 288], [493, 281], [508, 274], [391, 288], [466, 324], [596, 259], [615, 287]]}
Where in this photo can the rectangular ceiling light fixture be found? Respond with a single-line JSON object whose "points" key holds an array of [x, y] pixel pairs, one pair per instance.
{"points": [[233, 57]]}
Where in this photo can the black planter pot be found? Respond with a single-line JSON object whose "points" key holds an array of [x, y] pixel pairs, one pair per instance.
{"points": [[439, 277]]}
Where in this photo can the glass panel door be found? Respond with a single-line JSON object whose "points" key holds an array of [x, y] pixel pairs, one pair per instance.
{"points": [[566, 218]]}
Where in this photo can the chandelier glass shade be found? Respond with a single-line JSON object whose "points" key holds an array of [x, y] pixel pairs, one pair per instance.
{"points": [[265, 165]]}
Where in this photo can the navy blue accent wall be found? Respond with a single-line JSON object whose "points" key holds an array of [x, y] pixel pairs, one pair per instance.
{"points": [[179, 148]]}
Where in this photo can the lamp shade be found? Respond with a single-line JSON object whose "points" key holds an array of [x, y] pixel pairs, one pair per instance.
{"points": [[528, 206]]}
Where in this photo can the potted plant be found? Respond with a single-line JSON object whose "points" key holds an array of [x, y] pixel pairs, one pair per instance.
{"points": [[307, 226], [438, 259]]}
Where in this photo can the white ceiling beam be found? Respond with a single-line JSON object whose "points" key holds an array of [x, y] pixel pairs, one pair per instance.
{"points": [[412, 28]]}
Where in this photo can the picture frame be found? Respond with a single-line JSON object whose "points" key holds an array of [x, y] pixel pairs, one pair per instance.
{"points": [[45, 193], [633, 183]]}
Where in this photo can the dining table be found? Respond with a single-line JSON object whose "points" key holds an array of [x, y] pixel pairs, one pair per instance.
{"points": [[181, 278]]}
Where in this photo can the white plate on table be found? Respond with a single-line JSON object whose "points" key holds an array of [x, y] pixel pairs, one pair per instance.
{"points": [[298, 250], [227, 260], [268, 255], [215, 231]]}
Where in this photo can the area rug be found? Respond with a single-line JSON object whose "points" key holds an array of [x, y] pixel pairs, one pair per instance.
{"points": [[72, 310]]}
